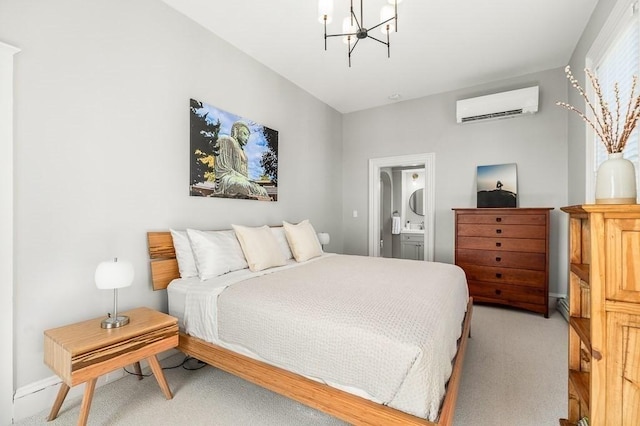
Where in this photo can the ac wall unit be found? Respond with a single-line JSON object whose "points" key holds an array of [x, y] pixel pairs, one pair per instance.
{"points": [[498, 105]]}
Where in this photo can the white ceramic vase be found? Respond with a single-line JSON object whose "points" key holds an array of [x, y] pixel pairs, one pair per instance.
{"points": [[616, 181]]}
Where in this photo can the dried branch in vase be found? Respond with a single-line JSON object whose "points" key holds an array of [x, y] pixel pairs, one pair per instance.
{"points": [[613, 130]]}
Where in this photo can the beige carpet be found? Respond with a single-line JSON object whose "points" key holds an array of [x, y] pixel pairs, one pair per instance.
{"points": [[514, 374]]}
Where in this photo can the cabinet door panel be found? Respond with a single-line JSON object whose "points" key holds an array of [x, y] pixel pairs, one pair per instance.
{"points": [[623, 262], [623, 369], [502, 231]]}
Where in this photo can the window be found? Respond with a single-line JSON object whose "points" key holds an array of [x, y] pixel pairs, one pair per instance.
{"points": [[615, 57]]}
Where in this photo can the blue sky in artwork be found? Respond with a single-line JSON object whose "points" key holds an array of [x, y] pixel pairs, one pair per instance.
{"points": [[257, 143], [488, 176]]}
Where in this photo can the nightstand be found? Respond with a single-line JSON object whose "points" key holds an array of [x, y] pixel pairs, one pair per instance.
{"points": [[84, 351]]}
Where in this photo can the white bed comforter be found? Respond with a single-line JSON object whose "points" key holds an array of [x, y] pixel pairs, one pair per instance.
{"points": [[385, 329]]}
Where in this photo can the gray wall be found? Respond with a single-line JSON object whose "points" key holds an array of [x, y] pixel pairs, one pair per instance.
{"points": [[101, 151], [536, 143]]}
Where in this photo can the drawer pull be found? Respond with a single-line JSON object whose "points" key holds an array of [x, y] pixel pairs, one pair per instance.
{"points": [[498, 292], [498, 244], [498, 219], [498, 275], [498, 231], [498, 259]]}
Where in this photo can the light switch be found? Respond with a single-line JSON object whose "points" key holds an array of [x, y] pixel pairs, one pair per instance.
{"points": [[355, 213]]}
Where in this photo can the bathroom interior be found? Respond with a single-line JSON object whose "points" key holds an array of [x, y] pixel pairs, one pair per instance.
{"points": [[402, 212]]}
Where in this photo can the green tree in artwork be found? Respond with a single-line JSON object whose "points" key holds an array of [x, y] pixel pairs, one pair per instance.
{"points": [[269, 159], [203, 140]]}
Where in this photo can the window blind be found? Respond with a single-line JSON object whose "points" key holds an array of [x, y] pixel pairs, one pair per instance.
{"points": [[620, 62]]}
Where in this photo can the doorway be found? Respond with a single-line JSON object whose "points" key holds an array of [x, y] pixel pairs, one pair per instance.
{"points": [[377, 215], [386, 201]]}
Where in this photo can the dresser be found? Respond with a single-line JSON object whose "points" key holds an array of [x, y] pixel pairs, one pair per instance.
{"points": [[505, 255], [604, 314]]}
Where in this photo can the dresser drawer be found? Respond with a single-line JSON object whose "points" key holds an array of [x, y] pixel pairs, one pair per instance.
{"points": [[502, 231], [505, 259], [524, 277], [502, 244], [506, 293], [503, 219]]}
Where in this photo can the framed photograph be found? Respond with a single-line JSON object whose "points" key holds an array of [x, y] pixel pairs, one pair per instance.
{"points": [[231, 156], [497, 185]]}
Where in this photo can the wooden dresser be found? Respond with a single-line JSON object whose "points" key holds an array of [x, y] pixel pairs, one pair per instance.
{"points": [[505, 255], [604, 314]]}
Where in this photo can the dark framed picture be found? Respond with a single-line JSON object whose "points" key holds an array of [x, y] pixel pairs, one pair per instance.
{"points": [[497, 185], [231, 156]]}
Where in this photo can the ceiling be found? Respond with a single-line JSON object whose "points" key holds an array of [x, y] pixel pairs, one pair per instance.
{"points": [[440, 45]]}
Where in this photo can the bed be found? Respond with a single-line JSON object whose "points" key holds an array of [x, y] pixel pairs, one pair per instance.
{"points": [[238, 351]]}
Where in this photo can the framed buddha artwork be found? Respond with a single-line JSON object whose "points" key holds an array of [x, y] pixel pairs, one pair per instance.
{"points": [[231, 156]]}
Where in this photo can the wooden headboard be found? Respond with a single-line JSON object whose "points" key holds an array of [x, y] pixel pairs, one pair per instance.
{"points": [[164, 266]]}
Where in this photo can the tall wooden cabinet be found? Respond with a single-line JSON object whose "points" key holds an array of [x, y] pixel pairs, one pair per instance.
{"points": [[505, 255], [604, 309]]}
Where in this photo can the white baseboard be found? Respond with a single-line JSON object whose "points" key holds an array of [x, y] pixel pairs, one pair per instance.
{"points": [[31, 399]]}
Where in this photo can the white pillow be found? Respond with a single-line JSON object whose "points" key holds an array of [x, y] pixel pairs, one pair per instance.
{"points": [[260, 247], [302, 240], [184, 254], [278, 232], [216, 252]]}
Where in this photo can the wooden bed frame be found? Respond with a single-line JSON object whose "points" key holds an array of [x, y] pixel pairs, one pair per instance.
{"points": [[341, 404]]}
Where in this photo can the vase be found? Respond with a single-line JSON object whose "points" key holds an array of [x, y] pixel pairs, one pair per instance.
{"points": [[616, 181]]}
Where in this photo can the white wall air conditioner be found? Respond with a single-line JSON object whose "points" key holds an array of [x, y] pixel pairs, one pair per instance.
{"points": [[498, 105]]}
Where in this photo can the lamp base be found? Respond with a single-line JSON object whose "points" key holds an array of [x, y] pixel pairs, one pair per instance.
{"points": [[116, 322]]}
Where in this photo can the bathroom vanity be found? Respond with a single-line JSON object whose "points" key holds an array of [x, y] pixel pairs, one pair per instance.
{"points": [[412, 244]]}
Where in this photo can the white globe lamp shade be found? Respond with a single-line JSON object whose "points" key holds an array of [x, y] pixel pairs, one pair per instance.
{"points": [[324, 238], [114, 274]]}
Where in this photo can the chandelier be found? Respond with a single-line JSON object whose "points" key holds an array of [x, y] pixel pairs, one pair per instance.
{"points": [[353, 29]]}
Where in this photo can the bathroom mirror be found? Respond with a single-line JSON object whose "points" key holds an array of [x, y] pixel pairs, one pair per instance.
{"points": [[416, 202]]}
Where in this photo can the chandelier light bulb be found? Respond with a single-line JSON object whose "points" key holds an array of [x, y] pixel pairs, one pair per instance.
{"points": [[325, 9], [387, 12], [394, 2], [347, 28]]}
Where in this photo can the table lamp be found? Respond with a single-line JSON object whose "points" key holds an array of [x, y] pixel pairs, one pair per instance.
{"points": [[114, 274], [323, 238]]}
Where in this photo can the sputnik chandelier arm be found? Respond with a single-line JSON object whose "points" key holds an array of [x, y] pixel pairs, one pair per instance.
{"points": [[353, 29]]}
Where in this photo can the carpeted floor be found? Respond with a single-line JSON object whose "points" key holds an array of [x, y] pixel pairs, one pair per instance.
{"points": [[514, 374]]}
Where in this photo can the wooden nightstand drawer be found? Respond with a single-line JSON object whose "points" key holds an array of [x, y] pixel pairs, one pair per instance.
{"points": [[80, 351]]}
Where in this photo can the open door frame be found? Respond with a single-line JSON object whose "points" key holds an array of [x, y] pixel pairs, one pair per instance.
{"points": [[426, 160]]}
